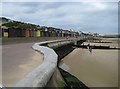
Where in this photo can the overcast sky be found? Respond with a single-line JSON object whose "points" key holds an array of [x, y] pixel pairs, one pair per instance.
{"points": [[100, 17]]}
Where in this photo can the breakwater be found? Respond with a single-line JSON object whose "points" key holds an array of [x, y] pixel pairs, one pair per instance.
{"points": [[70, 80], [96, 47], [40, 76]]}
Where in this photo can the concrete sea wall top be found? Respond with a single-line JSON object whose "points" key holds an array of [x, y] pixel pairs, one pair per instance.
{"points": [[41, 75]]}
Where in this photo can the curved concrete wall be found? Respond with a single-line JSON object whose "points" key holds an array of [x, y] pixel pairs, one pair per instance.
{"points": [[41, 75]]}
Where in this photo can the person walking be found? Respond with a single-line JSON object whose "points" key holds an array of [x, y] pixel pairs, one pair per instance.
{"points": [[89, 48]]}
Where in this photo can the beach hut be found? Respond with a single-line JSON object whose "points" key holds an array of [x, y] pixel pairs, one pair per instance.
{"points": [[53, 33], [46, 32], [58, 33], [18, 32], [31, 32], [1, 32], [12, 32], [42, 33], [27, 33], [38, 33], [50, 31], [23, 32], [4, 31], [35, 32]]}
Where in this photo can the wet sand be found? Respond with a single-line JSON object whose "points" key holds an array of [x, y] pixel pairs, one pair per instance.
{"points": [[17, 61], [96, 69]]}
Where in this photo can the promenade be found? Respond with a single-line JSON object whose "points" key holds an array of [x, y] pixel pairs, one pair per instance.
{"points": [[96, 69], [17, 61]]}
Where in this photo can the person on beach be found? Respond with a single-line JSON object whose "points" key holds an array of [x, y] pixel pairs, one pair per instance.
{"points": [[89, 48]]}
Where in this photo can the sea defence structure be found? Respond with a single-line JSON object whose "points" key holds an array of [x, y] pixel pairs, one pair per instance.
{"points": [[40, 76]]}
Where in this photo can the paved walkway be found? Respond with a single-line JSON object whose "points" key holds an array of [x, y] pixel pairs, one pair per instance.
{"points": [[17, 61]]}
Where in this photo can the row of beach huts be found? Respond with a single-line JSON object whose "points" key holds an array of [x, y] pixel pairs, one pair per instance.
{"points": [[40, 32]]}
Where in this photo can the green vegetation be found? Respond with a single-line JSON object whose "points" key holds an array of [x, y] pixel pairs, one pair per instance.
{"points": [[61, 84], [19, 25], [72, 79]]}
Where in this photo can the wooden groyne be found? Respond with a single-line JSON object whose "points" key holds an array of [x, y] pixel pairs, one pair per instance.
{"points": [[97, 47]]}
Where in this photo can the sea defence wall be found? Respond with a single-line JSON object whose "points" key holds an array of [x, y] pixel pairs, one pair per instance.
{"points": [[41, 75]]}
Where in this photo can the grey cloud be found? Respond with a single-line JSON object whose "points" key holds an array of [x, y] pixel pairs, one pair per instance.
{"points": [[78, 16]]}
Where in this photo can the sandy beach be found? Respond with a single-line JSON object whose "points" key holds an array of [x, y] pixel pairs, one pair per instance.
{"points": [[17, 61], [96, 69]]}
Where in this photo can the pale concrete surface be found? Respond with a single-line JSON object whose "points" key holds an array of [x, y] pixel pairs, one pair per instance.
{"points": [[96, 69], [17, 61]]}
